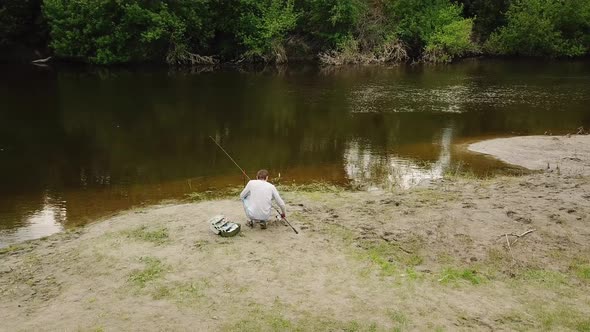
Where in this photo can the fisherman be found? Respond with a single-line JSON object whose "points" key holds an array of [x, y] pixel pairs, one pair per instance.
{"points": [[257, 197]]}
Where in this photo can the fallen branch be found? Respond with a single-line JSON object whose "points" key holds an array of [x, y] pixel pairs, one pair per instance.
{"points": [[42, 60], [523, 234], [515, 235], [509, 248]]}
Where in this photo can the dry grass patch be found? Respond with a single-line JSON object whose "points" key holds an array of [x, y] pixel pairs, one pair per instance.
{"points": [[157, 236], [153, 270]]}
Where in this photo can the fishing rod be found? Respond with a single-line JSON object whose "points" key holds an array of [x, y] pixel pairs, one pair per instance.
{"points": [[246, 175], [287, 221], [232, 159]]}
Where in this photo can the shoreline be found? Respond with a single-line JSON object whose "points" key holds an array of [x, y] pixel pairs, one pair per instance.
{"points": [[568, 155], [504, 253], [298, 62]]}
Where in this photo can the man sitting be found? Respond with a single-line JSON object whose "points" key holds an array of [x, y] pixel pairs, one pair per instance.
{"points": [[257, 198]]}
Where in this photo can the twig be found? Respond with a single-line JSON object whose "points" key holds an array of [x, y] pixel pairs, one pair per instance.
{"points": [[527, 232], [515, 235], [523, 234], [509, 248]]}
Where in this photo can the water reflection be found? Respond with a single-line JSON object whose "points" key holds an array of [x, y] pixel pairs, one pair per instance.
{"points": [[49, 219], [105, 140], [373, 170]]}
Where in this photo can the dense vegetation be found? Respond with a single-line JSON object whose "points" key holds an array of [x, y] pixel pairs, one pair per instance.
{"points": [[335, 31], [22, 27]]}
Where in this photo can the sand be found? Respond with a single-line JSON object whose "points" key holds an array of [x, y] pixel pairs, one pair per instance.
{"points": [[568, 154], [447, 257]]}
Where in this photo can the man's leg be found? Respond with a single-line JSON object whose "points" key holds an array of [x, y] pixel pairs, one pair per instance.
{"points": [[251, 219], [250, 222]]}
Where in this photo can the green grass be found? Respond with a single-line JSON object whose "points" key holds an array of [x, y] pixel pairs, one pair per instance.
{"points": [[380, 255], [313, 187], [562, 317], [153, 270], [389, 257], [412, 274], [400, 320], [274, 320], [183, 293], [389, 254], [157, 236], [549, 279], [452, 275], [583, 271], [198, 196], [581, 268], [12, 248], [431, 196]]}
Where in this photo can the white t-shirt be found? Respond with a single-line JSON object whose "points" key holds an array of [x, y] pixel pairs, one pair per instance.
{"points": [[257, 198]]}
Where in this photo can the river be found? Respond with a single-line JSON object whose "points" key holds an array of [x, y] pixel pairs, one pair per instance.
{"points": [[81, 143]]}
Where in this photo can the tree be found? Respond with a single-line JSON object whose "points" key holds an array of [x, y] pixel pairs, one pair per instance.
{"points": [[119, 31], [22, 25], [544, 28]]}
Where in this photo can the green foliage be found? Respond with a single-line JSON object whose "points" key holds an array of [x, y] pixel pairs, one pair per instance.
{"points": [[263, 26], [434, 27], [331, 22], [339, 31], [489, 15], [544, 28], [21, 24], [111, 31], [450, 41]]}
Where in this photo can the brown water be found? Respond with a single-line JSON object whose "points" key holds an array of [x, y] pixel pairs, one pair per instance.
{"points": [[78, 144]]}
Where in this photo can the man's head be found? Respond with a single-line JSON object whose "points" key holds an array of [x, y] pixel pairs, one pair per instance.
{"points": [[262, 175]]}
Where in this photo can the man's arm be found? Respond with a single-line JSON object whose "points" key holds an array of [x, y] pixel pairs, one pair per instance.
{"points": [[279, 200], [245, 192]]}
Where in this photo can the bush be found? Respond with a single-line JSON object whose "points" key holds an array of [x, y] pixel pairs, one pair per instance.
{"points": [[357, 32], [341, 31], [434, 29], [544, 28], [487, 16], [450, 41], [263, 26], [331, 23], [21, 24], [115, 31]]}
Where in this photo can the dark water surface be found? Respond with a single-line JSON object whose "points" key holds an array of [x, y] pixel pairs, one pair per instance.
{"points": [[77, 144]]}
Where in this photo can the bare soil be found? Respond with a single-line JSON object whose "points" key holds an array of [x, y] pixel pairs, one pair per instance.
{"points": [[565, 154], [446, 257]]}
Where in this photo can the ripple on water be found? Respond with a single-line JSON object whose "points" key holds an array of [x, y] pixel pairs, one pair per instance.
{"points": [[375, 98]]}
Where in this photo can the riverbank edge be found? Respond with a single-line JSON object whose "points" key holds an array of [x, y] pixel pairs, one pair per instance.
{"points": [[465, 253], [312, 60], [567, 154]]}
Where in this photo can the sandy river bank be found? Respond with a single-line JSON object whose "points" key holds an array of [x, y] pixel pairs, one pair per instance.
{"points": [[567, 154], [446, 257]]}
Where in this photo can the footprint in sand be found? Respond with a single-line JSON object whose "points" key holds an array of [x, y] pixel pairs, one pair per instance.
{"points": [[514, 216]]}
